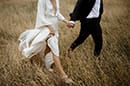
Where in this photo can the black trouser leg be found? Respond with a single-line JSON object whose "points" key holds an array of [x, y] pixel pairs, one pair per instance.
{"points": [[97, 37], [81, 38], [90, 26]]}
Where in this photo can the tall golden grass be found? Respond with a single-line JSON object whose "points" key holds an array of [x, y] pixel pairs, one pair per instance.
{"points": [[112, 69]]}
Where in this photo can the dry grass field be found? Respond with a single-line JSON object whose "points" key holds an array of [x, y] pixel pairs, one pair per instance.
{"points": [[112, 69]]}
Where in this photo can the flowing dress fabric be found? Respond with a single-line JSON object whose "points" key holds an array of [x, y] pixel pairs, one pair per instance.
{"points": [[33, 41]]}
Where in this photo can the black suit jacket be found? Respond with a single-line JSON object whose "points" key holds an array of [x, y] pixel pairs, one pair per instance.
{"points": [[83, 8]]}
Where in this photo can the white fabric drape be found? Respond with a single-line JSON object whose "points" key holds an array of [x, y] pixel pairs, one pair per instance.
{"points": [[33, 41]]}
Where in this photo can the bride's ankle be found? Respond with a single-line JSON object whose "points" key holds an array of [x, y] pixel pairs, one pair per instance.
{"points": [[66, 79], [64, 76]]}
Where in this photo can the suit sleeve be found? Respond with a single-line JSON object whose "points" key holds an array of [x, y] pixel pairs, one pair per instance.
{"points": [[82, 9], [41, 20], [76, 12]]}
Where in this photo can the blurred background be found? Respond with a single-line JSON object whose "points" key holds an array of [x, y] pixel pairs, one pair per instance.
{"points": [[112, 69]]}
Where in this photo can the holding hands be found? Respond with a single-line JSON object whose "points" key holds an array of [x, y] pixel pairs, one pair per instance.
{"points": [[70, 24]]}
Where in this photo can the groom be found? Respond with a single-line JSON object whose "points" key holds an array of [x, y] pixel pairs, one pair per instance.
{"points": [[89, 13]]}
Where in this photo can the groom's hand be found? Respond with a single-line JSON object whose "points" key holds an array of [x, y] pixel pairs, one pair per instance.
{"points": [[71, 24]]}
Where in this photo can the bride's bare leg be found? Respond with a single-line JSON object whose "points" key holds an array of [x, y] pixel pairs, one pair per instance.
{"points": [[60, 69], [47, 50], [58, 65], [56, 61]]}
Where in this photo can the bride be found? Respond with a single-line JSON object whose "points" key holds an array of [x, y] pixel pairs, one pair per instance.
{"points": [[45, 36]]}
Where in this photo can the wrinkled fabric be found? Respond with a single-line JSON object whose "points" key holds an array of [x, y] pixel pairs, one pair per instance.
{"points": [[33, 41]]}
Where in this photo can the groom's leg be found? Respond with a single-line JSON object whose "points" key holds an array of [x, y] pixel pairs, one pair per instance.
{"points": [[84, 33], [97, 37]]}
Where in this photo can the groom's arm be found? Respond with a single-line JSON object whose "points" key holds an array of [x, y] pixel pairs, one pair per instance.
{"points": [[82, 9], [77, 10], [76, 13]]}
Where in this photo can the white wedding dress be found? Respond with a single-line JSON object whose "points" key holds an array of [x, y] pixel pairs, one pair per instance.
{"points": [[33, 41]]}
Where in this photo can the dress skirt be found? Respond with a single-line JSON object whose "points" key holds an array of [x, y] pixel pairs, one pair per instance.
{"points": [[33, 41]]}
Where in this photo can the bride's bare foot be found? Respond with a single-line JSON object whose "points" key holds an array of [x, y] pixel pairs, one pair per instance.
{"points": [[67, 80]]}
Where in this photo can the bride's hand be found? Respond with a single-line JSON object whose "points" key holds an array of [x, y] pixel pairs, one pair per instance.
{"points": [[66, 21], [69, 24], [51, 28]]}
